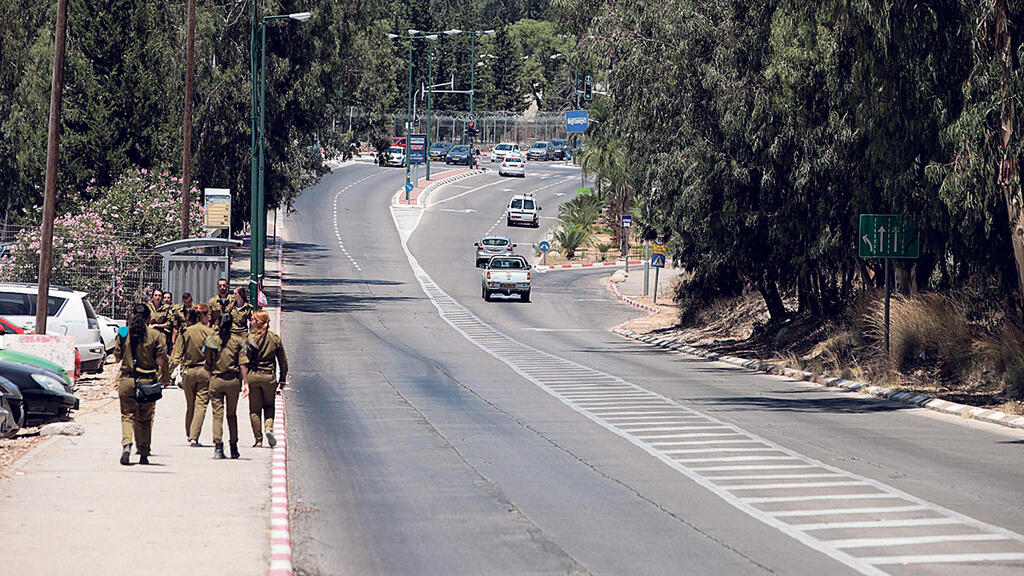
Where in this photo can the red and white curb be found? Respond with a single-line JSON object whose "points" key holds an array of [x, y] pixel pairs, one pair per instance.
{"points": [[901, 396], [615, 291], [421, 199], [280, 524], [617, 263]]}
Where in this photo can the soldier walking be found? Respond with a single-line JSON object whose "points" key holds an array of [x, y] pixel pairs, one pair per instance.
{"points": [[264, 350], [143, 355], [226, 362], [195, 378]]}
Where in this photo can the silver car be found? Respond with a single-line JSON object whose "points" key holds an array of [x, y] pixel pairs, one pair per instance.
{"points": [[490, 246]]}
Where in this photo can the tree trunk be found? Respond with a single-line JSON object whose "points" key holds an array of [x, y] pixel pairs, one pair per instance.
{"points": [[1008, 165], [770, 292]]}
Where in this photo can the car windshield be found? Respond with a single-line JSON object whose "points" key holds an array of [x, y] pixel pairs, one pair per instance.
{"points": [[494, 242], [539, 145], [507, 263], [558, 142], [513, 159], [461, 148], [397, 150], [441, 146], [503, 147], [527, 204]]}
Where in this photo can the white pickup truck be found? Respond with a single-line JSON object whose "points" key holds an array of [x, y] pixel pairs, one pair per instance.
{"points": [[506, 275]]}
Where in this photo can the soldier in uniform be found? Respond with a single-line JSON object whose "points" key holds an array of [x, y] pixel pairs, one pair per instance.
{"points": [[241, 312], [264, 349], [226, 362], [143, 355], [220, 303], [195, 378], [159, 320]]}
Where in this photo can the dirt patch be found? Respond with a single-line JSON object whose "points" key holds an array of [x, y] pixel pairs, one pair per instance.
{"points": [[835, 347], [94, 392]]}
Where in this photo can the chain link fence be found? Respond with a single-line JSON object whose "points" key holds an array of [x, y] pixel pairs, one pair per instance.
{"points": [[492, 127], [114, 270]]}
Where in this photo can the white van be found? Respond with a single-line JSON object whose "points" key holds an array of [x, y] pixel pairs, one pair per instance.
{"points": [[69, 313]]}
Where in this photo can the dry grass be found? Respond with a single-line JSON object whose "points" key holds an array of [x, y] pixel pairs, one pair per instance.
{"points": [[925, 329]]}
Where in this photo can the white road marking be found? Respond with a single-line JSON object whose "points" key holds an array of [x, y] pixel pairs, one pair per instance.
{"points": [[910, 540], [470, 191], [337, 230], [842, 511], [944, 558]]}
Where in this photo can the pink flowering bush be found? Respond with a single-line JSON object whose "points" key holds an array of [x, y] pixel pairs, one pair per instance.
{"points": [[105, 247]]}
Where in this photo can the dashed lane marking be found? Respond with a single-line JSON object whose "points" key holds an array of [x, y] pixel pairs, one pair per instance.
{"points": [[775, 486], [337, 229]]}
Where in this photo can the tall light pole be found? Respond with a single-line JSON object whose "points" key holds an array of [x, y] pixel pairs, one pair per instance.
{"points": [[576, 79], [431, 36], [472, 60], [258, 213]]}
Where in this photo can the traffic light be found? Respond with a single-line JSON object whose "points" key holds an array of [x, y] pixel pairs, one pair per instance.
{"points": [[588, 88], [471, 129]]}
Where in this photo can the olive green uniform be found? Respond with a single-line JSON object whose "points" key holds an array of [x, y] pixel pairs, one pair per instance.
{"points": [[240, 316], [162, 315], [195, 378], [218, 307], [263, 353], [224, 364], [179, 319], [142, 363]]}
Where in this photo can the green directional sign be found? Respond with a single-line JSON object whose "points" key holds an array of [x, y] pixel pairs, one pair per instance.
{"points": [[887, 236]]}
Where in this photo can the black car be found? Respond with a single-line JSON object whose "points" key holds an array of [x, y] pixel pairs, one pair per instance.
{"points": [[557, 149], [12, 410], [46, 395], [439, 150], [461, 154]]}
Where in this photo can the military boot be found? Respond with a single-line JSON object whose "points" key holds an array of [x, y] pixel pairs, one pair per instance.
{"points": [[218, 451], [126, 454], [234, 451]]}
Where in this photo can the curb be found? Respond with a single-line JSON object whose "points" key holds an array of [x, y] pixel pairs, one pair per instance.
{"points": [[422, 198], [900, 396], [617, 263], [618, 295], [280, 524]]}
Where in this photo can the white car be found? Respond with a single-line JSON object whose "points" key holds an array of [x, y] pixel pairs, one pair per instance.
{"points": [[108, 331], [499, 152], [512, 165], [69, 313], [506, 275], [396, 156], [523, 209]]}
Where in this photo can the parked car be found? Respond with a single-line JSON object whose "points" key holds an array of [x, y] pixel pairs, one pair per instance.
{"points": [[512, 165], [108, 331], [47, 397], [396, 156], [7, 327], [5, 251], [33, 360], [499, 151], [71, 313], [460, 154], [506, 275], [439, 150], [539, 151], [558, 149], [523, 209], [489, 246], [12, 409]]}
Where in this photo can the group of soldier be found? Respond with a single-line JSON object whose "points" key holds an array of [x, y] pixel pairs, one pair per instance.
{"points": [[223, 351]]}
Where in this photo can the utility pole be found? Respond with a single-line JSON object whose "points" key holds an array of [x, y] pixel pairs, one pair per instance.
{"points": [[186, 161], [52, 151]]}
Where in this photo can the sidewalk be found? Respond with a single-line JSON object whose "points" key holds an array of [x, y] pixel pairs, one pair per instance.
{"points": [[70, 508]]}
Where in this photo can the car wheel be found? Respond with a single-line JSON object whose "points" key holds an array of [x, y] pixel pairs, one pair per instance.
{"points": [[508, 221], [486, 295], [526, 296]]}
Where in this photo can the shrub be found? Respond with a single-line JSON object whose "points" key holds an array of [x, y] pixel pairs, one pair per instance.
{"points": [[570, 238], [929, 327], [581, 212]]}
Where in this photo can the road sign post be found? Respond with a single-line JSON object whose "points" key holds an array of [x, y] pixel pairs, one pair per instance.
{"points": [[657, 262], [544, 246], [627, 222], [576, 121], [887, 236]]}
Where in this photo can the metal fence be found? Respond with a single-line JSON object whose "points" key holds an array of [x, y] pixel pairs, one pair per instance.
{"points": [[492, 127], [114, 270]]}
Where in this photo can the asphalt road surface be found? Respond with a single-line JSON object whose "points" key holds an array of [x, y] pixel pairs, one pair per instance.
{"points": [[433, 433]]}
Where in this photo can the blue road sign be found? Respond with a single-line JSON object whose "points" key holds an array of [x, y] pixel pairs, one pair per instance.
{"points": [[627, 220], [657, 260], [417, 148], [409, 186], [576, 121], [544, 246]]}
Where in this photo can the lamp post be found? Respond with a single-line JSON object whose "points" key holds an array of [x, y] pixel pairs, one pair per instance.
{"points": [[576, 77], [413, 34], [258, 213], [472, 58]]}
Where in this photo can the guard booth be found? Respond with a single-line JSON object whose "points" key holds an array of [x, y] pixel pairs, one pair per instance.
{"points": [[194, 265]]}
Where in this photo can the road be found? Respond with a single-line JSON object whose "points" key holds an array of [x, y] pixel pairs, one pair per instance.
{"points": [[433, 433]]}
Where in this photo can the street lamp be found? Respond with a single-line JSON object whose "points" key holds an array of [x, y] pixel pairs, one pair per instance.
{"points": [[472, 70], [258, 215], [576, 78], [413, 35]]}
